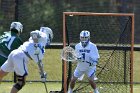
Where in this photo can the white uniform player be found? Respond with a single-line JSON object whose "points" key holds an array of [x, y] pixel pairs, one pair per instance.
{"points": [[19, 58], [27, 50], [87, 61]]}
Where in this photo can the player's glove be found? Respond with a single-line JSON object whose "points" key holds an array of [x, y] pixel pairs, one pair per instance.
{"points": [[79, 59], [93, 61], [43, 77]]}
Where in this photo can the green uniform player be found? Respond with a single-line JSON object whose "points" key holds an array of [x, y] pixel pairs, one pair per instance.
{"points": [[10, 40]]}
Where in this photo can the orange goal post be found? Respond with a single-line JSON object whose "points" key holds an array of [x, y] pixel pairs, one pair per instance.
{"points": [[113, 33]]}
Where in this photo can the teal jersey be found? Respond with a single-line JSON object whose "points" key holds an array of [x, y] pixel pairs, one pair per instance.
{"points": [[9, 41]]}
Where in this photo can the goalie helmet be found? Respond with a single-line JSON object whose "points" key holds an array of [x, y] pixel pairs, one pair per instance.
{"points": [[16, 26], [47, 31], [84, 37]]}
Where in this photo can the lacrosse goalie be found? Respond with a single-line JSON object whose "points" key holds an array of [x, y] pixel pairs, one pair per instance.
{"points": [[10, 40], [87, 61], [18, 59]]}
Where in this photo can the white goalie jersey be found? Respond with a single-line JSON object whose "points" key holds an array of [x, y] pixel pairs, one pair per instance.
{"points": [[89, 55]]}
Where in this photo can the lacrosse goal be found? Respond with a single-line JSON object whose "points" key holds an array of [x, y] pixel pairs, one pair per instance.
{"points": [[113, 33]]}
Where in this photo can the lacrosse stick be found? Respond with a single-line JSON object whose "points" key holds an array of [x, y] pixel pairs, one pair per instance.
{"points": [[69, 54], [41, 71], [35, 36]]}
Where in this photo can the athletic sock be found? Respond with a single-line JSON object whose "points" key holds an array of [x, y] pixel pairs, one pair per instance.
{"points": [[70, 90], [96, 90]]}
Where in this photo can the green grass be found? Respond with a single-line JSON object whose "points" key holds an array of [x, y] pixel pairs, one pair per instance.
{"points": [[53, 67], [136, 88], [31, 87], [39, 87], [137, 66]]}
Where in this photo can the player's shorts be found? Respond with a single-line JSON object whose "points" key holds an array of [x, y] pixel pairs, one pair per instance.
{"points": [[90, 72], [17, 61]]}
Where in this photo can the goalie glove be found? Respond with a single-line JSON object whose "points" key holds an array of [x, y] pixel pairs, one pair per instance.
{"points": [[93, 61], [80, 59]]}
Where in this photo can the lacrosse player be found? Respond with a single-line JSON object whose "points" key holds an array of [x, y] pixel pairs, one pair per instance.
{"points": [[10, 40], [87, 60], [19, 58], [49, 33]]}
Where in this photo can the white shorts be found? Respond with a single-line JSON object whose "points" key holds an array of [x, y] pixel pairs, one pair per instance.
{"points": [[17, 61], [90, 72]]}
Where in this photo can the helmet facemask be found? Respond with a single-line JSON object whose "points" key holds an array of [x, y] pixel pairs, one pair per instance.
{"points": [[84, 38]]}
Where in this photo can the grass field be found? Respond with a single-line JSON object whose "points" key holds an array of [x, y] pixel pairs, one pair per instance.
{"points": [[31, 87], [55, 72], [137, 66], [39, 87]]}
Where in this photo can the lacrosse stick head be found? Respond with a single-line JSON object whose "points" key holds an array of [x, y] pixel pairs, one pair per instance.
{"points": [[69, 54]]}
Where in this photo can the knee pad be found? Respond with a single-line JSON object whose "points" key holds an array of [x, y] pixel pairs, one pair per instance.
{"points": [[20, 82]]}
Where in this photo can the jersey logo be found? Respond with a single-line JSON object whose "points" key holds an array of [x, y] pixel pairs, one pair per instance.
{"points": [[7, 40], [84, 50]]}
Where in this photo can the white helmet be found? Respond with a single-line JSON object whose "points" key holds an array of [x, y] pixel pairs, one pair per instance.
{"points": [[47, 31], [84, 37], [17, 25]]}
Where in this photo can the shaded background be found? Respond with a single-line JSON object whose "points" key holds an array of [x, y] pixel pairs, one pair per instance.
{"points": [[35, 13]]}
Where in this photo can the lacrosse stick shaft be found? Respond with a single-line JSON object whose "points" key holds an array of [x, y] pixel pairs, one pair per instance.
{"points": [[42, 72], [39, 64], [46, 87], [102, 68]]}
